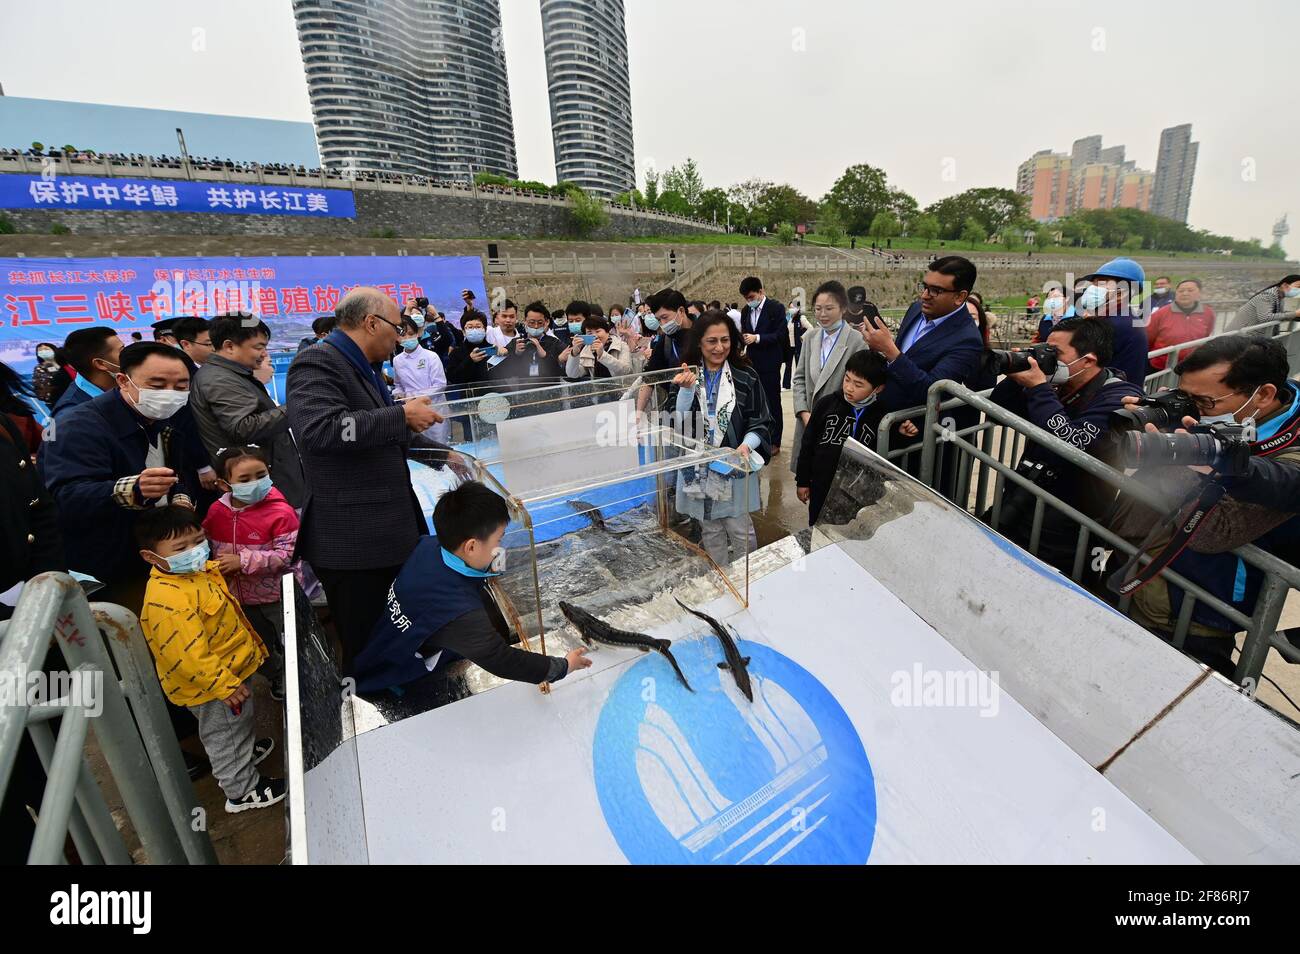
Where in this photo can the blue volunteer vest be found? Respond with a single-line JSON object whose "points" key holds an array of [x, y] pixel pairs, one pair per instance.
{"points": [[426, 596]]}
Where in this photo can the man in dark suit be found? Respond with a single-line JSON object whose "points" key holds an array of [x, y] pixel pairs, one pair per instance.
{"points": [[765, 333], [361, 519], [937, 341]]}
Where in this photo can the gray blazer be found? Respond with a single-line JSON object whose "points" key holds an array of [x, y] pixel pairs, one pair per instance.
{"points": [[232, 407], [812, 381], [361, 511]]}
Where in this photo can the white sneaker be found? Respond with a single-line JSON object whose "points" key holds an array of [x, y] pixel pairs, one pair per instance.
{"points": [[265, 793]]}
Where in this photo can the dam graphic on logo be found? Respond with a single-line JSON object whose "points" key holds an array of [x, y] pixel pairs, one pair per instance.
{"points": [[707, 777]]}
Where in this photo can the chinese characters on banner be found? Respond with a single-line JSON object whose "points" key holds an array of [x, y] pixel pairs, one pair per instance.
{"points": [[84, 192], [45, 299]]}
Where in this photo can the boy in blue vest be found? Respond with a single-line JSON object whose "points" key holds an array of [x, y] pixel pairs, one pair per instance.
{"points": [[439, 609]]}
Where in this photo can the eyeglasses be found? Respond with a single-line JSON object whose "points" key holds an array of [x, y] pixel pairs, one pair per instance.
{"points": [[934, 290], [397, 328], [1203, 402]]}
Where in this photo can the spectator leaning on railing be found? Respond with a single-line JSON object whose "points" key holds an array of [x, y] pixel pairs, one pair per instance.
{"points": [[1074, 404], [1186, 318], [1237, 491], [1278, 302]]}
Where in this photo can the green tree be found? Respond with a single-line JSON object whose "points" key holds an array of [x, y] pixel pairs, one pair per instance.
{"points": [[652, 188], [685, 180], [884, 225], [829, 223], [926, 226], [564, 189], [713, 202], [858, 195], [490, 178], [587, 214], [785, 233], [674, 202], [745, 198], [993, 209], [631, 197], [904, 208], [783, 203], [1132, 244], [973, 232]]}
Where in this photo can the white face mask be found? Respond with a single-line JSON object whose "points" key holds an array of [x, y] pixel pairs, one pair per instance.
{"points": [[1062, 375], [158, 404], [1232, 418], [1093, 297]]}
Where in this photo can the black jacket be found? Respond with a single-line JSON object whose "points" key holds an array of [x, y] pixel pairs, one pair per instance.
{"points": [[768, 352], [518, 367], [91, 470], [831, 424], [463, 370], [361, 511], [30, 540], [750, 412]]}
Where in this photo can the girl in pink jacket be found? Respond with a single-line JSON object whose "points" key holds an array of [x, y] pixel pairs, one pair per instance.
{"points": [[252, 530]]}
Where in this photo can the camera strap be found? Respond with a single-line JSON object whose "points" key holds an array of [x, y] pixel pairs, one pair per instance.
{"points": [[1125, 582]]}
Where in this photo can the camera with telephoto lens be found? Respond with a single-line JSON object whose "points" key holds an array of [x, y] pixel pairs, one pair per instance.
{"points": [[1165, 410], [1013, 362], [1221, 446]]}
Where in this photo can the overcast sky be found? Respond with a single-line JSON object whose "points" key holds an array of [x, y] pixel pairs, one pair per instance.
{"points": [[942, 95]]}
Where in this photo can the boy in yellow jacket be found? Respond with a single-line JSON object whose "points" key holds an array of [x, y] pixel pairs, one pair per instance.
{"points": [[205, 650]]}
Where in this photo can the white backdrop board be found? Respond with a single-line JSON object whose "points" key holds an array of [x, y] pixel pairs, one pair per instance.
{"points": [[870, 740]]}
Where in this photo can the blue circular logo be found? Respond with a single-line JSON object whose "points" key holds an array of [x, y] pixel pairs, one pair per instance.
{"points": [[708, 777]]}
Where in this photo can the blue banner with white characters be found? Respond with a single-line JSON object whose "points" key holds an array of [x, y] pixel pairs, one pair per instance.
{"points": [[153, 195]]}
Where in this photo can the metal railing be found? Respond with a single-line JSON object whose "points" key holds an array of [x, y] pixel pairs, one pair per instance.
{"points": [[137, 741], [985, 454], [571, 263], [1001, 438], [150, 168]]}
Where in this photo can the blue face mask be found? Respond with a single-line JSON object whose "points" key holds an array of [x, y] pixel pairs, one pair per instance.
{"points": [[410, 344], [475, 335], [1293, 292], [670, 327], [463, 568], [535, 332], [417, 321], [651, 323], [191, 560], [253, 491], [575, 327], [832, 329]]}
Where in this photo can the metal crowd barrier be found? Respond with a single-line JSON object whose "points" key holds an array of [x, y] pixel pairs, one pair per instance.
{"points": [[1002, 435], [137, 740]]}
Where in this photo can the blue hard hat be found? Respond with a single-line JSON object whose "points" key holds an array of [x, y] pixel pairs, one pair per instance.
{"points": [[1124, 269]]}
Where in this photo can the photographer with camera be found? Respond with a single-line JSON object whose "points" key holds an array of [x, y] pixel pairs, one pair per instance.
{"points": [[1065, 387], [1235, 464]]}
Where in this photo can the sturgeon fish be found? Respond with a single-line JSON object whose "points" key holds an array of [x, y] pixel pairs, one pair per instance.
{"points": [[593, 629], [734, 662], [597, 518]]}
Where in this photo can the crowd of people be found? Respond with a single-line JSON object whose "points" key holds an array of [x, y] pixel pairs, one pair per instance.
{"points": [[170, 476]]}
